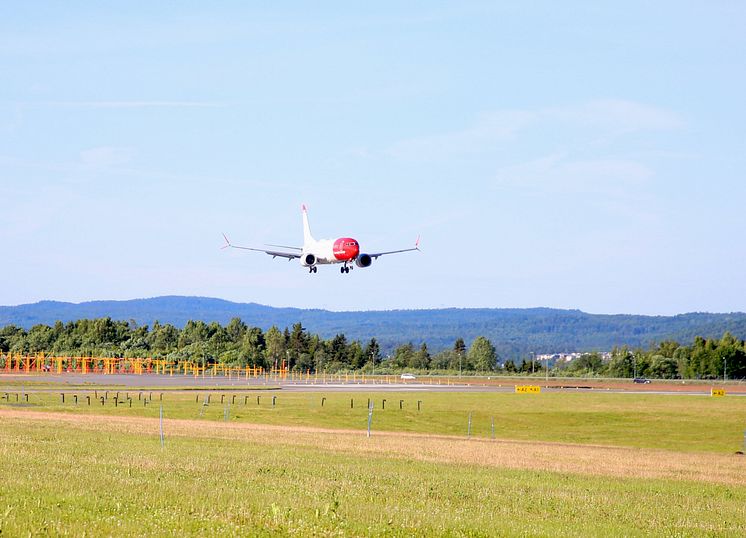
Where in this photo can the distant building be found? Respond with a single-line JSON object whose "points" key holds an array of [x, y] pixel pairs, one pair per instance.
{"points": [[567, 357]]}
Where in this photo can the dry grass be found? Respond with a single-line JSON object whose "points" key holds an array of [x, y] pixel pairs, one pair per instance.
{"points": [[592, 460]]}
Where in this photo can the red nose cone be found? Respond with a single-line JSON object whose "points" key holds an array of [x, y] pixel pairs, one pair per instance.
{"points": [[346, 249]]}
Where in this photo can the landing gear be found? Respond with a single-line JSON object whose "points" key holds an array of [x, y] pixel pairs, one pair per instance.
{"points": [[344, 269], [313, 269]]}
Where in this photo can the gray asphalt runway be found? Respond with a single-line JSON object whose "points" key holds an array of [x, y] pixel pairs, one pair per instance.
{"points": [[57, 382]]}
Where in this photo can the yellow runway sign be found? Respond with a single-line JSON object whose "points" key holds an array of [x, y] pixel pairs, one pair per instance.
{"points": [[717, 392], [528, 389]]}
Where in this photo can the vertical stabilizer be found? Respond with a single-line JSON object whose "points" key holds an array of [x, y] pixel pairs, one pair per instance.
{"points": [[307, 237]]}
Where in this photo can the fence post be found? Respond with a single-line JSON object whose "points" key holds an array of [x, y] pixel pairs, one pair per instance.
{"points": [[161, 421], [370, 416]]}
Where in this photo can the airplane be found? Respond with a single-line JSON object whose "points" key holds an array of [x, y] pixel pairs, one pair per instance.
{"points": [[313, 253]]}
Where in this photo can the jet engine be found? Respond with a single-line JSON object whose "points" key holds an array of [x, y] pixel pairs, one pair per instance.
{"points": [[363, 260], [309, 260]]}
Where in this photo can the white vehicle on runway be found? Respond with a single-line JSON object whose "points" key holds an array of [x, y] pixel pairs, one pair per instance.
{"points": [[408, 376]]}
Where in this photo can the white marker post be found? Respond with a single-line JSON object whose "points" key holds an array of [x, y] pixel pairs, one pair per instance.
{"points": [[162, 438], [370, 417]]}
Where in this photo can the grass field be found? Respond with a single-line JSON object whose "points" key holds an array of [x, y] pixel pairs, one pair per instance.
{"points": [[562, 465], [680, 423]]}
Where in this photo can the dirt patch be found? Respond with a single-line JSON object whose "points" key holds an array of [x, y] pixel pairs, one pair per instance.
{"points": [[594, 460]]}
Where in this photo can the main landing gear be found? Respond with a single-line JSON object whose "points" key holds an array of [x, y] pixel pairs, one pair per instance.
{"points": [[345, 269], [313, 269]]}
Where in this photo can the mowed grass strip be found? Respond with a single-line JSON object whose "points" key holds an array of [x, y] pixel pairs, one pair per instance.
{"points": [[562, 457], [92, 476], [682, 423]]}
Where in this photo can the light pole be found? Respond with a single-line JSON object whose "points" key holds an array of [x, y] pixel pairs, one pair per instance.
{"points": [[547, 378], [725, 368]]}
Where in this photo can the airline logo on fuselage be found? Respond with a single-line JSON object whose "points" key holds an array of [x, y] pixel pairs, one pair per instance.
{"points": [[346, 249]]}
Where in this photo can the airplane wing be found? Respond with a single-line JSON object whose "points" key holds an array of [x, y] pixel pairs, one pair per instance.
{"points": [[377, 254], [273, 253]]}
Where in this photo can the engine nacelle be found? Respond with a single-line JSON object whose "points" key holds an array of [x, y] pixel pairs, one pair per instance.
{"points": [[363, 260], [309, 260]]}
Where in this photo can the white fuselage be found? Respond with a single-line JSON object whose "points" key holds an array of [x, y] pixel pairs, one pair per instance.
{"points": [[322, 250]]}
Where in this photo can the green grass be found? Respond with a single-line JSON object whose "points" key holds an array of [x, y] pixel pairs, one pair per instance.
{"points": [[64, 479], [672, 422]]}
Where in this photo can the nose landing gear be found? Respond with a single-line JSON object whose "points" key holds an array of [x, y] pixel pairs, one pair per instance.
{"points": [[345, 269], [313, 269]]}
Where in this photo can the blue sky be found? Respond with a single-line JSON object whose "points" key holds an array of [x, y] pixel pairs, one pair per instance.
{"points": [[571, 155]]}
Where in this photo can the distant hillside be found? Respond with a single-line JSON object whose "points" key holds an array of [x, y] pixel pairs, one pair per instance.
{"points": [[514, 332]]}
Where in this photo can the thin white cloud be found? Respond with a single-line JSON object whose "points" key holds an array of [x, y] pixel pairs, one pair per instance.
{"points": [[603, 117], [489, 129], [105, 157], [559, 173], [617, 115], [128, 104]]}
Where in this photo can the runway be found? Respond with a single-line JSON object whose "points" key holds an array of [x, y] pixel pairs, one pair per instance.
{"points": [[58, 382]]}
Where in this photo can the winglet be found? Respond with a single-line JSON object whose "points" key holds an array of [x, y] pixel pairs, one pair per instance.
{"points": [[227, 242], [417, 243], [303, 207]]}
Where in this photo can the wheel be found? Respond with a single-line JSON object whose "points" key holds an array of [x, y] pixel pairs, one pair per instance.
{"points": [[315, 269], [342, 270]]}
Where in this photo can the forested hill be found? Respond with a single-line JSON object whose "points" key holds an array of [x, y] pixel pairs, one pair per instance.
{"points": [[514, 332]]}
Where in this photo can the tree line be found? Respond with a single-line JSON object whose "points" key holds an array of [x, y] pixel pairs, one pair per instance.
{"points": [[703, 359], [238, 344]]}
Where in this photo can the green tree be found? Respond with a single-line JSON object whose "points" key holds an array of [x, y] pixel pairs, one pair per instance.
{"points": [[590, 363], [420, 359], [275, 347], [622, 363], [402, 356], [298, 344], [372, 352], [252, 348], [482, 355]]}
